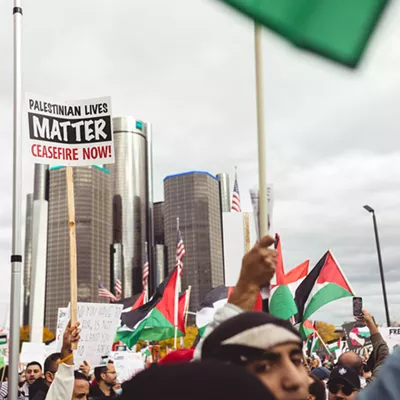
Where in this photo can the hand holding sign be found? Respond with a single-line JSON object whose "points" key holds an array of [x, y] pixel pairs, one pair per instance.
{"points": [[71, 336]]}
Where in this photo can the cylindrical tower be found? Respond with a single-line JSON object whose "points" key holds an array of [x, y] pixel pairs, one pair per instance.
{"points": [[39, 252], [225, 192], [130, 197]]}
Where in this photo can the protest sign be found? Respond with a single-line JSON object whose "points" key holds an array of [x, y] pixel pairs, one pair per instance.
{"points": [[62, 322], [99, 323], [127, 364], [357, 335], [32, 352], [70, 133], [392, 337]]}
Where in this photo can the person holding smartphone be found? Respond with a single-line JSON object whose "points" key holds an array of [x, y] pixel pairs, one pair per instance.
{"points": [[379, 354]]}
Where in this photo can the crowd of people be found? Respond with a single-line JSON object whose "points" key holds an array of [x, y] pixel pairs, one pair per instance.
{"points": [[243, 355]]}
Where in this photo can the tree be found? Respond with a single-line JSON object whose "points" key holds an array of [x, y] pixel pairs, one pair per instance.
{"points": [[188, 340], [327, 331], [25, 334]]}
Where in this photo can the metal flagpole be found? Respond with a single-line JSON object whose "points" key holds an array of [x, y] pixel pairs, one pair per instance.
{"points": [[177, 290], [16, 257]]}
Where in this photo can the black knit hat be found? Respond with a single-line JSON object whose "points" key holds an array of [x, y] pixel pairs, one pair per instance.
{"points": [[247, 336], [209, 380]]}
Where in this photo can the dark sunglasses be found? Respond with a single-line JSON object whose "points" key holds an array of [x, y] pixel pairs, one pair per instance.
{"points": [[346, 389]]}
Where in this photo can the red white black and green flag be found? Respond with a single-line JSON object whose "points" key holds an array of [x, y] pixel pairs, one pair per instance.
{"points": [[281, 298], [214, 300], [325, 283], [153, 320], [337, 29]]}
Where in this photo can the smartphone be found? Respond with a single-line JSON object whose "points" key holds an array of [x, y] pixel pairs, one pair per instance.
{"points": [[357, 306]]}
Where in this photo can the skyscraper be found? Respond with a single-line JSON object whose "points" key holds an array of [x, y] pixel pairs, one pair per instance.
{"points": [[27, 256], [194, 198], [131, 178], [158, 210], [225, 191], [93, 237]]}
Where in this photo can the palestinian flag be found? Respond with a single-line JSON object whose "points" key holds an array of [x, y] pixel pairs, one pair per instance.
{"points": [[359, 336], [307, 328], [214, 300], [325, 283], [281, 299], [182, 308], [153, 320], [312, 344], [337, 29], [132, 303], [3, 339], [334, 346]]}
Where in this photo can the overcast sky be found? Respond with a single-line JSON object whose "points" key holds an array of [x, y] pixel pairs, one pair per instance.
{"points": [[187, 66]]}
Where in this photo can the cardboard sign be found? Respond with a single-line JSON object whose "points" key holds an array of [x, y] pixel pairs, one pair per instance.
{"points": [[127, 364], [392, 338], [70, 133], [357, 335], [99, 322], [32, 352]]}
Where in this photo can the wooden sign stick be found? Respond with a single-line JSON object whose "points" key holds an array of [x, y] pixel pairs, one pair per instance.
{"points": [[72, 249]]}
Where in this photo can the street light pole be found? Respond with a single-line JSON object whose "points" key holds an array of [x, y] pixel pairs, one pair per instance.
{"points": [[378, 248]]}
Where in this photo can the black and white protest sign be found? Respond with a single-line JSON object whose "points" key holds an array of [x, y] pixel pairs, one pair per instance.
{"points": [[70, 133]]}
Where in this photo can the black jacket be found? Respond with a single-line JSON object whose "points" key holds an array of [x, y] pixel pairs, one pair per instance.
{"points": [[39, 389]]}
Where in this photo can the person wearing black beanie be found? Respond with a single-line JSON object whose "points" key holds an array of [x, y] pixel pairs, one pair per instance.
{"points": [[269, 347], [209, 380]]}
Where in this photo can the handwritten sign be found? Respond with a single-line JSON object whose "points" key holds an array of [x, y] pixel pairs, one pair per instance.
{"points": [[99, 323], [127, 364]]}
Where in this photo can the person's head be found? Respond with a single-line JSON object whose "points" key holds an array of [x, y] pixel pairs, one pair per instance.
{"points": [[317, 389], [33, 371], [51, 367], [209, 380], [315, 361], [106, 374], [343, 384], [322, 374], [269, 347], [81, 386], [351, 360]]}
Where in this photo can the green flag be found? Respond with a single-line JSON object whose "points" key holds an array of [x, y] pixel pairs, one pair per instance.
{"points": [[337, 29]]}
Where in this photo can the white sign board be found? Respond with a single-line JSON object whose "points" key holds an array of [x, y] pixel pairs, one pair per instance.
{"points": [[99, 322], [70, 133], [32, 352], [392, 338], [127, 364]]}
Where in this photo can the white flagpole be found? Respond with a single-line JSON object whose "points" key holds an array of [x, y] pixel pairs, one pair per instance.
{"points": [[146, 285], [177, 289], [16, 257], [261, 140]]}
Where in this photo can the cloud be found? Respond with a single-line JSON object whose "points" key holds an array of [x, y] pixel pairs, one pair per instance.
{"points": [[188, 67]]}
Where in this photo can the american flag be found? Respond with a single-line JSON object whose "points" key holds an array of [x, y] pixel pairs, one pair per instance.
{"points": [[118, 289], [180, 253], [236, 197], [103, 292], [145, 275]]}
